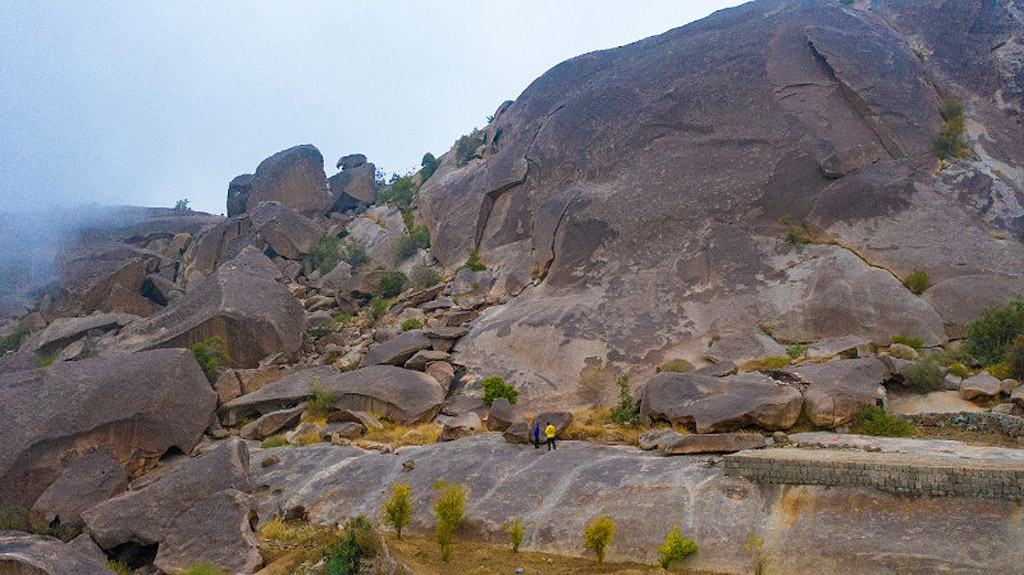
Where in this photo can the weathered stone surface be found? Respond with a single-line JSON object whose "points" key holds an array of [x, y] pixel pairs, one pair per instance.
{"points": [[838, 390], [361, 417], [422, 358], [720, 404], [239, 190], [960, 300], [518, 432], [461, 426], [403, 395], [651, 438], [241, 303], [647, 494], [197, 511], [90, 480], [846, 346], [442, 371], [66, 330], [344, 429], [397, 350], [271, 423], [290, 234], [353, 186], [740, 348], [560, 419], [25, 554], [934, 402], [295, 177], [710, 443], [379, 229], [501, 415], [981, 386], [130, 406]]}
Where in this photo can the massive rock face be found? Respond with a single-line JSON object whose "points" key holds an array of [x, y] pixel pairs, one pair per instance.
{"points": [[643, 187], [295, 177], [242, 303], [25, 554], [132, 407]]}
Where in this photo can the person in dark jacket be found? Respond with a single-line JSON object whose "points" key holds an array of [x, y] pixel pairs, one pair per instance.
{"points": [[536, 436]]}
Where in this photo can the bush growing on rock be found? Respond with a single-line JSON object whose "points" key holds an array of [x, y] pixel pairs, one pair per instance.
{"points": [[772, 362], [412, 323], [989, 336], [119, 567], [755, 549], [13, 341], [322, 402], [917, 281], [676, 366], [210, 355], [925, 376], [182, 205], [359, 542], [495, 387], [465, 149], [914, 342], [999, 370], [428, 165], [675, 548], [423, 276], [398, 192], [1015, 358], [473, 262], [325, 254], [398, 507], [514, 530], [274, 441], [598, 535], [796, 350], [391, 285], [379, 307], [449, 508], [875, 421], [353, 252], [949, 143], [627, 411], [411, 242], [960, 370]]}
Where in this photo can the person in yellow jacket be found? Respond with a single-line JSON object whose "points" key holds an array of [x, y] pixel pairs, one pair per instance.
{"points": [[549, 432]]}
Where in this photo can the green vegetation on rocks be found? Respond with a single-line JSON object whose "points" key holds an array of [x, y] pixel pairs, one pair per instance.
{"points": [[875, 421], [676, 366], [925, 375], [473, 262], [13, 341], [210, 355], [917, 281], [598, 535], [391, 285], [495, 387], [914, 342], [428, 165], [989, 336], [322, 402], [627, 411], [353, 252], [676, 548], [325, 254], [397, 509], [412, 323], [949, 143], [514, 530], [448, 509]]}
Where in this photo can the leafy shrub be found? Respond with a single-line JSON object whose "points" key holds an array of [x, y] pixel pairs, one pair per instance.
{"points": [[182, 205], [322, 402], [319, 332], [449, 507], [960, 370], [465, 149], [410, 242], [676, 366], [210, 355], [627, 412], [675, 548], [949, 143], [755, 549], [514, 529], [1015, 358], [428, 165], [274, 441], [119, 567], [495, 387], [353, 252], [796, 350], [13, 341], [597, 536], [917, 281], [796, 235], [875, 421], [399, 192], [398, 507], [46, 360], [424, 276], [773, 362], [999, 370], [391, 285], [412, 323], [914, 342], [473, 262], [379, 307], [15, 518], [203, 569], [989, 336], [325, 254], [342, 318], [925, 376]]}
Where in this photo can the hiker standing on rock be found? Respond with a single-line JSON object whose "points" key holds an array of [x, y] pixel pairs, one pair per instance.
{"points": [[549, 432], [536, 436]]}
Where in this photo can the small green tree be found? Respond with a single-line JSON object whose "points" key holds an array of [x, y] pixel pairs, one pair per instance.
{"points": [[514, 529], [379, 307], [182, 205], [428, 166], [353, 252], [917, 281], [449, 508], [495, 387], [627, 412], [398, 507], [325, 254], [925, 375], [755, 549], [391, 285], [989, 336], [399, 191], [675, 548], [598, 535], [210, 355], [322, 402], [473, 262]]}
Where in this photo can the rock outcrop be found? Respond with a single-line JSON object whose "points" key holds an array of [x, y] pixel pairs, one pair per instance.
{"points": [[25, 554], [295, 177], [133, 407], [838, 390]]}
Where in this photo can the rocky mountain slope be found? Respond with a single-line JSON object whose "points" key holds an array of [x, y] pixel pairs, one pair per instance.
{"points": [[742, 201]]}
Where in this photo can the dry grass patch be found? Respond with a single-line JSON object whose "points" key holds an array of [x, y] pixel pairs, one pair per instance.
{"points": [[774, 362], [293, 542], [401, 435]]}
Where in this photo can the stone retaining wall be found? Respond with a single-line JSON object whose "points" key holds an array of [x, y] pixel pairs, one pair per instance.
{"points": [[1009, 425], [914, 475]]}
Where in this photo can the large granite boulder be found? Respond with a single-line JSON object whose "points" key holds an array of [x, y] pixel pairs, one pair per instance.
{"points": [[196, 511], [295, 177], [980, 387], [354, 185], [397, 350], [290, 234], [714, 405], [379, 229], [90, 480], [214, 244], [133, 407], [238, 194], [688, 444], [241, 303], [838, 390], [64, 331], [961, 300], [649, 204], [26, 554], [403, 396]]}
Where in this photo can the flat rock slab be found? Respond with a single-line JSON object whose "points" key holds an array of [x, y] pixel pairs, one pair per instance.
{"points": [[934, 402], [66, 330], [725, 404], [839, 530], [981, 386], [26, 554], [402, 395], [710, 443], [397, 350], [88, 481], [127, 405]]}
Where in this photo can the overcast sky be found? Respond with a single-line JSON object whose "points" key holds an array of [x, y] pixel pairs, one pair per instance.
{"points": [[147, 102]]}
